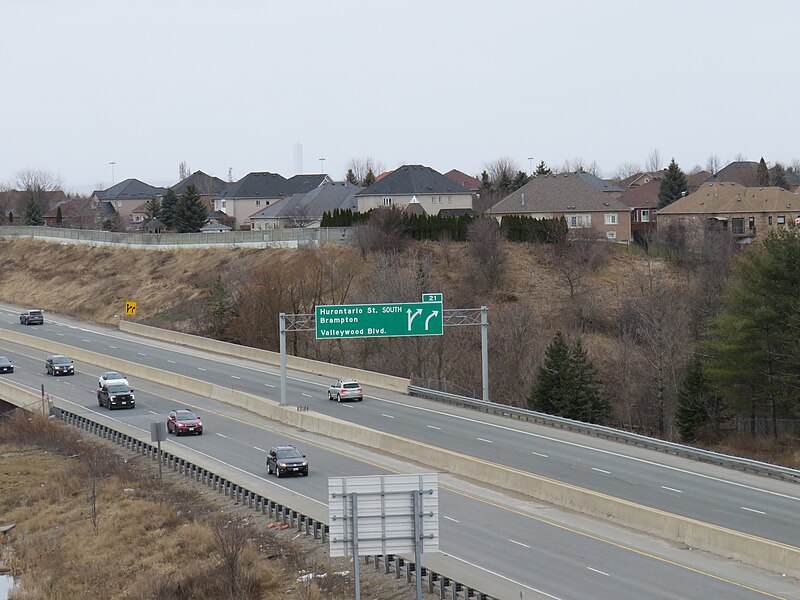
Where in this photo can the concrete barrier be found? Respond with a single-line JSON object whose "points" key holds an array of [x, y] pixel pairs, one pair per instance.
{"points": [[746, 548], [307, 365]]}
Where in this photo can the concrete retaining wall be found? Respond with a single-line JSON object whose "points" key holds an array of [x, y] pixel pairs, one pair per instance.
{"points": [[369, 378], [719, 540]]}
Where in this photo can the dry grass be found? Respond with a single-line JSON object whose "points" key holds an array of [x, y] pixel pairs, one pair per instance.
{"points": [[167, 541]]}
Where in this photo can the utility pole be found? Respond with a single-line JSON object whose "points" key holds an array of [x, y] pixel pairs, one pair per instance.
{"points": [[112, 163], [322, 165]]}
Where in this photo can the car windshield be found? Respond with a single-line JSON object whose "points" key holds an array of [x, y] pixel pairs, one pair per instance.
{"points": [[60, 360], [113, 376], [350, 386], [186, 417], [118, 389], [289, 453], [4, 360]]}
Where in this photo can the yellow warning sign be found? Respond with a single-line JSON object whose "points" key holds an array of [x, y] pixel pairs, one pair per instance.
{"points": [[130, 308]]}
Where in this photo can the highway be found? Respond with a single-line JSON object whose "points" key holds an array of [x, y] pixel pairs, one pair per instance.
{"points": [[565, 556]]}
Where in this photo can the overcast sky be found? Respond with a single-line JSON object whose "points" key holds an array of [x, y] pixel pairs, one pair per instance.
{"points": [[449, 84]]}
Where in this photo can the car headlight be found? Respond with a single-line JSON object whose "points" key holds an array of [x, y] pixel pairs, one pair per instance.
{"points": [[281, 464], [305, 463]]}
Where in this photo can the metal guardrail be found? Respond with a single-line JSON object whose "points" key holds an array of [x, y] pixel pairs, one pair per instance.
{"points": [[617, 435], [434, 583]]}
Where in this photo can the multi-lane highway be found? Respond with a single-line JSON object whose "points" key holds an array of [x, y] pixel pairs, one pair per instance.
{"points": [[566, 556]]}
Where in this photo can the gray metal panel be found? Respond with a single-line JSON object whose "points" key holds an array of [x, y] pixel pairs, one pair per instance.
{"points": [[385, 513]]}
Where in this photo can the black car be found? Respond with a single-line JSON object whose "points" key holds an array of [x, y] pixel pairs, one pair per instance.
{"points": [[6, 366], [283, 460], [31, 317], [116, 395], [57, 364]]}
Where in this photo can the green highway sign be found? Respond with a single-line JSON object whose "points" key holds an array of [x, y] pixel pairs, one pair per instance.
{"points": [[433, 297], [378, 320]]}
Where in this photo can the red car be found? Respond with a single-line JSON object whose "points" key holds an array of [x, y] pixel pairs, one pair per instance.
{"points": [[182, 420]]}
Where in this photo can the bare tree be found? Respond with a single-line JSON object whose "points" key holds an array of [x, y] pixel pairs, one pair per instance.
{"points": [[80, 212], [713, 164], [6, 201], [572, 165], [654, 161], [575, 258], [740, 157], [502, 169], [794, 166], [488, 252], [183, 171], [626, 170], [362, 166], [230, 537], [593, 169], [36, 183]]}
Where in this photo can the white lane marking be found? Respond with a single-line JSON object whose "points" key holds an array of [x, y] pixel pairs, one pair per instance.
{"points": [[61, 334], [87, 341], [152, 412], [114, 347], [171, 361], [596, 571], [221, 435], [485, 440], [387, 416], [518, 543], [434, 427], [269, 385], [601, 470], [346, 406], [259, 449], [540, 454], [307, 395], [235, 377], [540, 436], [200, 369], [141, 354], [672, 489], [753, 510], [451, 519]]}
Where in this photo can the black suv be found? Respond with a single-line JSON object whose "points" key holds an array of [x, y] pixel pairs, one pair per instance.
{"points": [[57, 364], [31, 317], [116, 395], [283, 460]]}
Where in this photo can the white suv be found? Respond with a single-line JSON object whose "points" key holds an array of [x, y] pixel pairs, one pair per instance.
{"points": [[346, 389]]}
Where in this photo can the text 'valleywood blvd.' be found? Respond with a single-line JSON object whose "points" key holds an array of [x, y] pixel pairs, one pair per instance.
{"points": [[378, 320]]}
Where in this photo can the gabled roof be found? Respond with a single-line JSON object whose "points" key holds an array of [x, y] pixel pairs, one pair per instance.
{"points": [[641, 178], [325, 198], [743, 172], [413, 179], [695, 180], [721, 197], [130, 189], [642, 196], [559, 193], [270, 185], [205, 184], [467, 181]]}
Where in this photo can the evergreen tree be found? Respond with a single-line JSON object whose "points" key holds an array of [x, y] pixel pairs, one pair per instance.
{"points": [[587, 403], [33, 212], [520, 179], [190, 213], [168, 202], [553, 379], [673, 185], [153, 209], [700, 411], [369, 178], [59, 217], [779, 177], [351, 177], [762, 173], [543, 169]]}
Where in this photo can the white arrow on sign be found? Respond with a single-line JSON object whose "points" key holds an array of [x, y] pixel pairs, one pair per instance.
{"points": [[430, 316], [411, 317]]}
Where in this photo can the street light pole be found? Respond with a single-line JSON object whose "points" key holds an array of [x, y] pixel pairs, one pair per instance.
{"points": [[112, 163], [530, 165], [322, 165]]}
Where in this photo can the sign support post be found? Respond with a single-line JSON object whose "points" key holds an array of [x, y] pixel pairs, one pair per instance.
{"points": [[282, 329], [485, 351]]}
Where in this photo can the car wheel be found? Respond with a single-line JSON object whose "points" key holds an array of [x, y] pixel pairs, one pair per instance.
{"points": [[305, 473], [277, 472], [329, 396], [338, 397], [177, 433], [269, 469], [199, 433]]}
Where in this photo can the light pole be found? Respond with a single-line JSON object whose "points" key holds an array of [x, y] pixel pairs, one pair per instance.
{"points": [[530, 165], [322, 165], [112, 163]]}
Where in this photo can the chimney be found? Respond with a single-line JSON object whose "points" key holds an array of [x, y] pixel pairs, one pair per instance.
{"points": [[522, 198]]}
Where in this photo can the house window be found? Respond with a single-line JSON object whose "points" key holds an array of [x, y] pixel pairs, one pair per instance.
{"points": [[611, 235], [578, 221], [224, 204], [751, 223], [770, 220], [258, 202], [645, 215], [387, 201], [781, 220], [737, 226], [440, 199], [611, 218]]}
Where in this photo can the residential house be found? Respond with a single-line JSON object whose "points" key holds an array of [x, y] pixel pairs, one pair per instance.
{"points": [[743, 212], [255, 191], [306, 209], [640, 178], [125, 197], [15, 201], [207, 186], [466, 181], [745, 172], [588, 203], [643, 203], [432, 190]]}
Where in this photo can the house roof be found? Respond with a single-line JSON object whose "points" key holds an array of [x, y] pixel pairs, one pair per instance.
{"points": [[695, 180], [722, 197], [467, 181], [642, 196], [270, 185], [413, 179], [205, 184], [456, 212], [560, 193], [743, 172], [215, 227], [414, 208], [641, 178], [130, 189], [325, 198]]}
